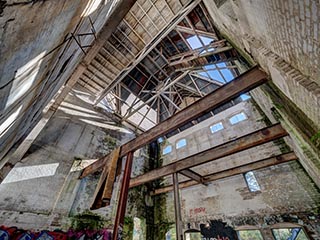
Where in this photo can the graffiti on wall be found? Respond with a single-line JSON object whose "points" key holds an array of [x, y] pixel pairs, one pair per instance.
{"points": [[196, 211], [14, 233], [217, 230]]}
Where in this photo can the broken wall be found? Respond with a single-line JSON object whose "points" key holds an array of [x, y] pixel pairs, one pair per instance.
{"points": [[42, 191]]}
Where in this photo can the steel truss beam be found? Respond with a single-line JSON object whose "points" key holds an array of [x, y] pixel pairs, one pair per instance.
{"points": [[246, 167], [240, 144], [242, 84]]}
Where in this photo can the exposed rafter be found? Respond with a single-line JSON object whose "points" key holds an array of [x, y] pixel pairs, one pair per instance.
{"points": [[240, 144], [241, 84], [246, 167]]}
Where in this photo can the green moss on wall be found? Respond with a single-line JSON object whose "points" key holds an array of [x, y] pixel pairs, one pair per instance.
{"points": [[283, 105], [128, 228], [88, 221]]}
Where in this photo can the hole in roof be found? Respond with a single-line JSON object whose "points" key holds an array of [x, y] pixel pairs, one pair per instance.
{"points": [[221, 64], [206, 40], [252, 182], [214, 74], [195, 42], [207, 50], [203, 74], [227, 74], [211, 66]]}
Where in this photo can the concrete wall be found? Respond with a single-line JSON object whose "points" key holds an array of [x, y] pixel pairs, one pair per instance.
{"points": [[283, 38], [37, 57], [42, 190], [283, 187]]}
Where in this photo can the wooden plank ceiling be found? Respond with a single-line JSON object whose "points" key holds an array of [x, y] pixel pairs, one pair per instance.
{"points": [[164, 55]]}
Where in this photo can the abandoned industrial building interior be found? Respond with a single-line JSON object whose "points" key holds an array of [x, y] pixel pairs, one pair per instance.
{"points": [[160, 119]]}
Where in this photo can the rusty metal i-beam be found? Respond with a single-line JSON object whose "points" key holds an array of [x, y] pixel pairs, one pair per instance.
{"points": [[241, 84], [122, 203], [234, 146], [246, 167]]}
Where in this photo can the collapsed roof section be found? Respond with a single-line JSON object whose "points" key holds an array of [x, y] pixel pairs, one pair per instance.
{"points": [[163, 56]]}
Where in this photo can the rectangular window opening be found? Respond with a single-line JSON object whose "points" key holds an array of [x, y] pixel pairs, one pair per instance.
{"points": [[252, 182], [167, 150], [237, 118], [181, 143], [216, 127]]}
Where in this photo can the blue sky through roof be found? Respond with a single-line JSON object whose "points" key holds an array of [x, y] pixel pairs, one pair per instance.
{"points": [[227, 74], [221, 64], [214, 74], [195, 43], [206, 40]]}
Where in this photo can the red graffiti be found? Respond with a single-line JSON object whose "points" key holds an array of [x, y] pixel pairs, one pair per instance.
{"points": [[196, 211]]}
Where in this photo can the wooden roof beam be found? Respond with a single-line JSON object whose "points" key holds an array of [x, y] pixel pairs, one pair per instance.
{"points": [[234, 146], [241, 84], [148, 48], [232, 171], [192, 175]]}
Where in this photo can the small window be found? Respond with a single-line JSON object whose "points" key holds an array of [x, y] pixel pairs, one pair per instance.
{"points": [[160, 140], [289, 234], [237, 118], [252, 182], [250, 235], [167, 149], [216, 127], [181, 143]]}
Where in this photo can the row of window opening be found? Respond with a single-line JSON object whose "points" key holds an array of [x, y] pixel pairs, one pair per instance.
{"points": [[213, 128]]}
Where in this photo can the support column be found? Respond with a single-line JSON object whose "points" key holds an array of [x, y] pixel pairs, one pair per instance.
{"points": [[177, 207], [122, 204]]}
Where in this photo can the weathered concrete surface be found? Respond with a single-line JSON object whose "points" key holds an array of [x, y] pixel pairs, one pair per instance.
{"points": [[37, 57], [45, 182], [283, 37], [283, 187]]}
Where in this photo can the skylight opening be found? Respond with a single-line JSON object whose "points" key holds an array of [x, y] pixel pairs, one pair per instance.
{"points": [[204, 74], [221, 65], [206, 40], [194, 42], [227, 74], [207, 50], [208, 67], [215, 75]]}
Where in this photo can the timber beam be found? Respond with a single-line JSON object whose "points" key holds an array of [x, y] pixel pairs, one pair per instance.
{"points": [[232, 171], [234, 146], [241, 84], [192, 175]]}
